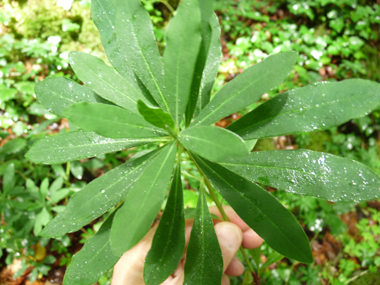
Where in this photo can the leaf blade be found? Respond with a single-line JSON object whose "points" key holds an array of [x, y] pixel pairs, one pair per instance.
{"points": [[78, 145], [169, 241], [313, 107], [155, 116], [57, 93], [183, 40], [307, 172], [133, 220], [207, 13], [247, 88], [94, 259], [105, 81], [104, 17], [211, 66], [9, 179], [212, 142], [110, 121], [260, 210], [139, 49], [104, 192], [204, 262]]}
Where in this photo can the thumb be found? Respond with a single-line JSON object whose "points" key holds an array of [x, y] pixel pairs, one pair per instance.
{"points": [[129, 269], [230, 238]]}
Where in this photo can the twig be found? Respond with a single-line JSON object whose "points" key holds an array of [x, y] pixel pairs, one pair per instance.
{"points": [[256, 278], [356, 277], [170, 8]]}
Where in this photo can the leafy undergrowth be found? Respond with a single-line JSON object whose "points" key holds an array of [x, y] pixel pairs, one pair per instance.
{"points": [[335, 39]]}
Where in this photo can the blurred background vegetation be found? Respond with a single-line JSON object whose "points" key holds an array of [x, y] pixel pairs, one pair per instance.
{"points": [[336, 39]]}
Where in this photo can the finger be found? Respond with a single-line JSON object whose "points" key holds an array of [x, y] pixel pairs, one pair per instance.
{"points": [[251, 239], [189, 226], [225, 280], [232, 216], [236, 268], [179, 275], [130, 267], [230, 238]]}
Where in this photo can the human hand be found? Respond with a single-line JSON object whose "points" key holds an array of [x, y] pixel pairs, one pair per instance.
{"points": [[231, 235]]}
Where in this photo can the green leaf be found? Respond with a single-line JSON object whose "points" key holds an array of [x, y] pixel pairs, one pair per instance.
{"points": [[315, 107], [41, 219], [58, 196], [307, 172], [248, 87], [9, 179], [104, 16], [211, 66], [204, 262], [110, 121], [168, 243], [260, 210], [183, 40], [155, 116], [248, 278], [76, 169], [78, 145], [191, 212], [215, 143], [207, 48], [57, 93], [56, 185], [44, 187], [256, 258], [13, 146], [273, 258], [250, 144], [133, 31], [134, 219], [98, 196], [94, 259], [105, 81]]}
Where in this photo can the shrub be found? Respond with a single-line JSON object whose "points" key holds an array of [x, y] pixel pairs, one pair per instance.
{"points": [[148, 98]]}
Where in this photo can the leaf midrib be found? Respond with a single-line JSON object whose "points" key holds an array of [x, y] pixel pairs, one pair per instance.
{"points": [[201, 139], [116, 182], [230, 98], [170, 228], [203, 241], [280, 169], [152, 184], [134, 34], [245, 198], [116, 88], [294, 111], [113, 122]]}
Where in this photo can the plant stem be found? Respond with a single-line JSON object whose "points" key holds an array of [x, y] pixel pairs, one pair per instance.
{"points": [[21, 174], [244, 253], [190, 175], [171, 9], [215, 198], [290, 271], [220, 208], [356, 277], [68, 174]]}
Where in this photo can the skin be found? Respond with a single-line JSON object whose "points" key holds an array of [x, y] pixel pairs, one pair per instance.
{"points": [[231, 235]]}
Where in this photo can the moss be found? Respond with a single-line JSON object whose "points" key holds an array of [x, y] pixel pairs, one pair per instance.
{"points": [[372, 63], [265, 144], [368, 279]]}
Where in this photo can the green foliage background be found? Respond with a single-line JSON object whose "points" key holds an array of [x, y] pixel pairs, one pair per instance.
{"points": [[336, 40]]}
